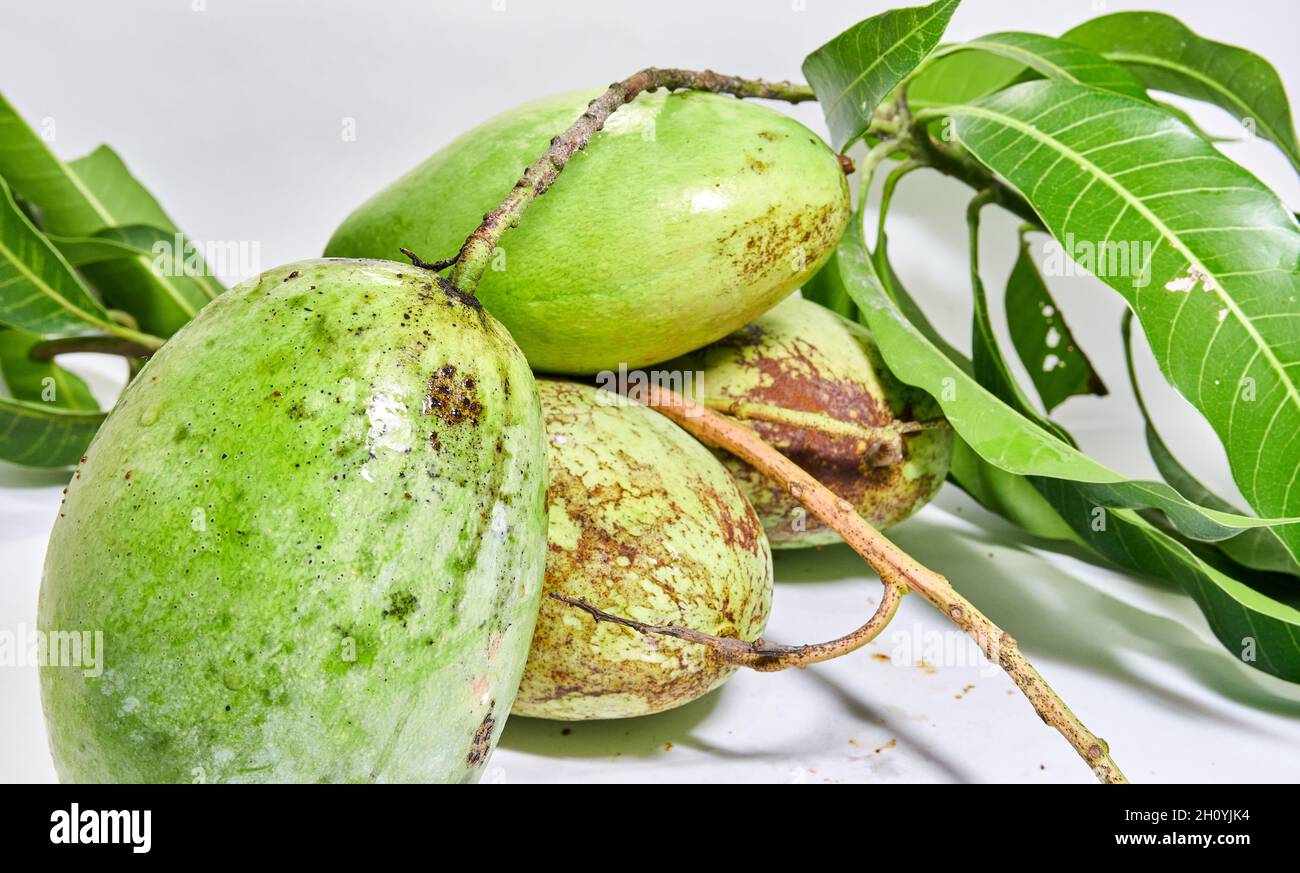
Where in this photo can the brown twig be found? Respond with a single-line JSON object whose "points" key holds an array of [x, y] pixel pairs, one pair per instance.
{"points": [[47, 350], [894, 566], [759, 655], [417, 261], [476, 252]]}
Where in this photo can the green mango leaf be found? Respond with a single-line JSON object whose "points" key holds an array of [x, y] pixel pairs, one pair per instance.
{"points": [[1167, 56], [44, 435], [116, 244], [1186, 119], [40, 381], [39, 292], [1000, 434], [961, 77], [1204, 254], [83, 250], [1258, 549], [88, 196], [856, 70], [1057, 366], [990, 368], [1247, 622], [1262, 631], [893, 286], [826, 288], [1011, 496], [129, 242], [1056, 59]]}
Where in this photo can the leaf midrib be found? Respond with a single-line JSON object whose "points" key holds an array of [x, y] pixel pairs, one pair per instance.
{"points": [[1024, 55], [109, 220], [46, 289], [1141, 208], [40, 411], [1213, 84]]}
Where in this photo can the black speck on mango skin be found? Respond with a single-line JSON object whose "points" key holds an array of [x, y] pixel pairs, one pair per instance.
{"points": [[292, 584]]}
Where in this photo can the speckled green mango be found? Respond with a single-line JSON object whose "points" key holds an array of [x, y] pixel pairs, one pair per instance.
{"points": [[803, 358], [644, 524], [312, 535], [688, 216]]}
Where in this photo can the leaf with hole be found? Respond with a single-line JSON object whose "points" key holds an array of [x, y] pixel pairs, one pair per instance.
{"points": [[1232, 607], [1056, 365], [989, 367], [1202, 251], [1000, 434]]}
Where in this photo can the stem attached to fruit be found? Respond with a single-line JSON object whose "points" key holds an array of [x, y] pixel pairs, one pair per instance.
{"points": [[872, 436], [477, 250], [759, 655], [894, 566]]}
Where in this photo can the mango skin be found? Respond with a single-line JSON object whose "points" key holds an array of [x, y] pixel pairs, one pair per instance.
{"points": [[644, 524], [687, 217], [313, 547], [802, 356]]}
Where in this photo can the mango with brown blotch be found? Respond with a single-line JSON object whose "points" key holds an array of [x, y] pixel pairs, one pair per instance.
{"points": [[645, 524], [813, 384]]}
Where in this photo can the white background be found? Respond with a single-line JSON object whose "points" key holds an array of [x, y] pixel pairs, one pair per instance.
{"points": [[232, 116]]}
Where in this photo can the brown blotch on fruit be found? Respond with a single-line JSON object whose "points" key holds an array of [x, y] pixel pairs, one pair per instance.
{"points": [[481, 746], [453, 399]]}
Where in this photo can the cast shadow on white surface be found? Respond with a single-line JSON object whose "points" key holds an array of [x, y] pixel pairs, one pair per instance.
{"points": [[15, 477], [1056, 614], [654, 736], [642, 737]]}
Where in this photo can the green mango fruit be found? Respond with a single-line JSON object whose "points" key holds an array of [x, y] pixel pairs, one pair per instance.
{"points": [[644, 524], [312, 535], [801, 358], [688, 216]]}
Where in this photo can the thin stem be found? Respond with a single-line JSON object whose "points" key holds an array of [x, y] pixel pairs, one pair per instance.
{"points": [[476, 253], [887, 197], [148, 341], [46, 350], [894, 566], [870, 434], [878, 153], [921, 145], [759, 655], [123, 325]]}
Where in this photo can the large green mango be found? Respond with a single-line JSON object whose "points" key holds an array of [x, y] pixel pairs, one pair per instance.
{"points": [[644, 524], [311, 534], [688, 216]]}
